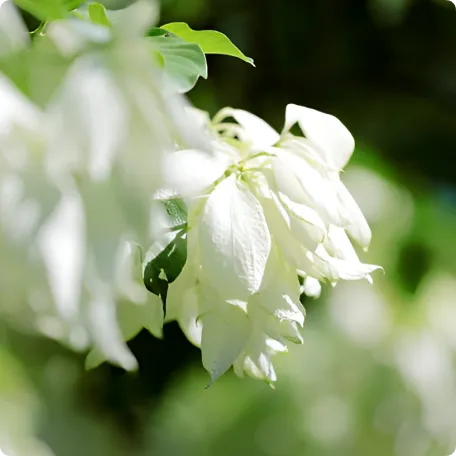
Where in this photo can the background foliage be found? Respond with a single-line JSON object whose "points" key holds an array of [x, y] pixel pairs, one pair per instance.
{"points": [[376, 374]]}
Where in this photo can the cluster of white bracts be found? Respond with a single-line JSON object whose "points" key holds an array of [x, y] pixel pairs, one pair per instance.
{"points": [[263, 209], [77, 177]]}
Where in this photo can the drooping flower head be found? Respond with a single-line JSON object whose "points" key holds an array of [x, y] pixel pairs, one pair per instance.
{"points": [[265, 209]]}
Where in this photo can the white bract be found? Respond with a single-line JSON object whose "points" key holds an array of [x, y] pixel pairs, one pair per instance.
{"points": [[264, 208]]}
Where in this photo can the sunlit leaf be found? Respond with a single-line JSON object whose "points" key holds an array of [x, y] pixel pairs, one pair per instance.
{"points": [[44, 9], [183, 62], [97, 14], [210, 41]]}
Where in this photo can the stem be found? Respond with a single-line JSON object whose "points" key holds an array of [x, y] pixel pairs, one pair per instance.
{"points": [[39, 30]]}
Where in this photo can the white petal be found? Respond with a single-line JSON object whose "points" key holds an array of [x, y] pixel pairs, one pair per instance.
{"points": [[290, 331], [106, 333], [306, 264], [315, 190], [258, 133], [224, 336], [279, 225], [129, 283], [311, 287], [356, 224], [14, 35], [234, 240], [305, 224], [141, 309], [285, 179], [256, 359], [90, 106], [201, 118], [152, 315], [339, 246], [106, 119], [188, 317], [133, 317], [279, 292], [325, 131], [62, 244], [190, 171], [183, 304], [308, 151], [176, 291], [335, 269]]}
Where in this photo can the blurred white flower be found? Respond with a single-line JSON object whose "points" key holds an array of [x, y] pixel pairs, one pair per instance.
{"points": [[13, 32], [77, 176], [263, 202]]}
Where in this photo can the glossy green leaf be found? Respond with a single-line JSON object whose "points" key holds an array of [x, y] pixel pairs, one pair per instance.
{"points": [[166, 257], [164, 263], [97, 14], [210, 41], [183, 62]]}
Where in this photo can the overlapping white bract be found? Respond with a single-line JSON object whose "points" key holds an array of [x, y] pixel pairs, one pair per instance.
{"points": [[270, 207]]}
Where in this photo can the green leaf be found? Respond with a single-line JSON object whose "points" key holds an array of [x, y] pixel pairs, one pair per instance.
{"points": [[97, 14], [210, 41], [44, 9], [73, 4], [166, 257], [163, 264], [183, 63], [157, 31]]}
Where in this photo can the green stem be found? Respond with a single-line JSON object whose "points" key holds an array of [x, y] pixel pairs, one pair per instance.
{"points": [[39, 30]]}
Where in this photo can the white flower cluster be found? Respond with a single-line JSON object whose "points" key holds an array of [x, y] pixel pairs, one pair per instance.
{"points": [[264, 209], [78, 169], [78, 173]]}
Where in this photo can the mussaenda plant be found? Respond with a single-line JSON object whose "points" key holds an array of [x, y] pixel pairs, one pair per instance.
{"points": [[123, 207]]}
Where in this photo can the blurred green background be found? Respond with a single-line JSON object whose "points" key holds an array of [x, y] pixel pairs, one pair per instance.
{"points": [[376, 375]]}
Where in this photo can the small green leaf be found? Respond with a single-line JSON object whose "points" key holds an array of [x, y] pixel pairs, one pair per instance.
{"points": [[97, 14], [73, 4], [44, 9], [166, 257], [163, 264], [210, 41], [156, 31], [183, 63]]}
